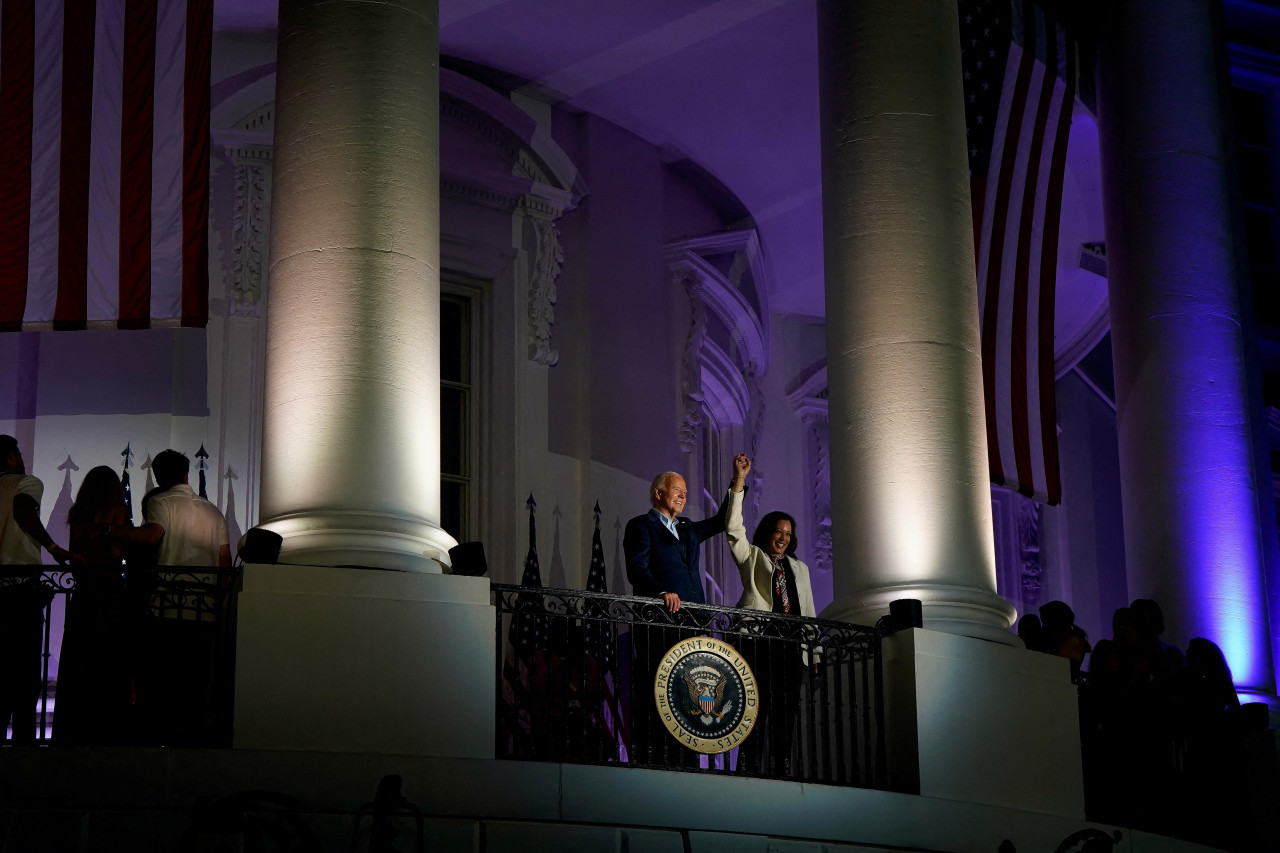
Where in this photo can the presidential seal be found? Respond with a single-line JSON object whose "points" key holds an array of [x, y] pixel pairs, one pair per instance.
{"points": [[706, 695]]}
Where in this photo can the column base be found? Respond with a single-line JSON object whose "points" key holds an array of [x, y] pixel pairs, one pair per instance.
{"points": [[353, 538], [948, 608], [347, 660]]}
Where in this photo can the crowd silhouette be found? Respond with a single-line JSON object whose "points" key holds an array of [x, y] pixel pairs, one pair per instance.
{"points": [[141, 630], [1166, 741]]}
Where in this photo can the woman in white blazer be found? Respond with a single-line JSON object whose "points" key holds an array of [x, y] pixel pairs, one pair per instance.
{"points": [[774, 580]]}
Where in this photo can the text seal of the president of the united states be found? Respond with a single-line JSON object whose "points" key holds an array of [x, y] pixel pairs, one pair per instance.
{"points": [[706, 694]]}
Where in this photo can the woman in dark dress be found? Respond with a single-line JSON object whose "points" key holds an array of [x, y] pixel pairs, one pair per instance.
{"points": [[95, 685]]}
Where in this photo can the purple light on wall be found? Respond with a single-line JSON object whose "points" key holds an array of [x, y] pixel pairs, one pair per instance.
{"points": [[1214, 529], [1193, 538]]}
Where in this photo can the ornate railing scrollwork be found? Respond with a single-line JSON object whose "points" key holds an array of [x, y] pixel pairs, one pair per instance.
{"points": [[575, 672], [167, 632]]}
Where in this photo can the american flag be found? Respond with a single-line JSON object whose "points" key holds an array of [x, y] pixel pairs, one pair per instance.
{"points": [[602, 644], [527, 636], [1019, 68], [104, 163]]}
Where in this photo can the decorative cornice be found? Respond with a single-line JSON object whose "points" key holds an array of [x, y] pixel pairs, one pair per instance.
{"points": [[461, 189], [724, 389], [240, 145], [807, 393], [728, 303], [501, 111], [746, 241], [481, 124], [262, 120]]}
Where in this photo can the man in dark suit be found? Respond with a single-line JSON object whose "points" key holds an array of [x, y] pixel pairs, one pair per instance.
{"points": [[663, 550], [662, 561]]}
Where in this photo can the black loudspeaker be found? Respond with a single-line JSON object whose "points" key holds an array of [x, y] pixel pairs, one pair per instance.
{"points": [[468, 559], [906, 613], [261, 546]]}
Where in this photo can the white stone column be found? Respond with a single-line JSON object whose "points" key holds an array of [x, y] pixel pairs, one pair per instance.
{"points": [[1188, 480], [351, 444], [910, 502]]}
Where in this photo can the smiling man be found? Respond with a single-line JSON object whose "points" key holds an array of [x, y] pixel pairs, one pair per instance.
{"points": [[663, 550]]}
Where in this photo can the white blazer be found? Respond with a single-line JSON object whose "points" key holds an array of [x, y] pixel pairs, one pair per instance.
{"points": [[756, 567]]}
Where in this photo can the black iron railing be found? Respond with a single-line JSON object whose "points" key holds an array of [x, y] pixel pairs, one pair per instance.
{"points": [[97, 655], [575, 683]]}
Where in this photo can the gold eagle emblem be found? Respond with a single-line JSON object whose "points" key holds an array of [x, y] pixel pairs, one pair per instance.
{"points": [[706, 687]]}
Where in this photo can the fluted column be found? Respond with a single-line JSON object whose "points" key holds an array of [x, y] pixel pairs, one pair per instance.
{"points": [[910, 501], [351, 441], [1191, 523]]}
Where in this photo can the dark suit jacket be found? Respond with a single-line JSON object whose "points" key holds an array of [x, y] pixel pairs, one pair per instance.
{"points": [[657, 562]]}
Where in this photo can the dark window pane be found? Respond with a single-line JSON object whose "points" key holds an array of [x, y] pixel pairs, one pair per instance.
{"points": [[451, 336], [1251, 116], [1258, 237], [1266, 296], [1271, 388], [453, 431], [453, 503], [1255, 174]]}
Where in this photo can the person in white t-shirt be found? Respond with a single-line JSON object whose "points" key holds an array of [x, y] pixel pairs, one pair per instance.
{"points": [[22, 534], [22, 598], [195, 532]]}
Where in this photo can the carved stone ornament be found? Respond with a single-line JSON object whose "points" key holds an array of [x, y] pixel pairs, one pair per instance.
{"points": [[548, 258], [807, 395], [687, 432], [1031, 569], [821, 494], [248, 232]]}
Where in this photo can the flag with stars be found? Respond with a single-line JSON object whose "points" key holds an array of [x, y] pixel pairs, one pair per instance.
{"points": [[602, 647], [127, 454], [526, 637], [1019, 67], [601, 643]]}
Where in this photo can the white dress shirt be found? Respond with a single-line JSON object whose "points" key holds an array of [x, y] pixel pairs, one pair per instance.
{"points": [[194, 530]]}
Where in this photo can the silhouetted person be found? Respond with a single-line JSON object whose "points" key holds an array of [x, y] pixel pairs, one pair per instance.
{"points": [[195, 532], [176, 692], [1155, 658], [95, 675], [1029, 630], [1056, 619], [1209, 692], [1213, 744], [1059, 635], [22, 599], [1112, 659], [22, 534]]}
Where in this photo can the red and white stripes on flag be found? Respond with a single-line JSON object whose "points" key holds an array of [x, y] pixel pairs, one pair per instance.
{"points": [[104, 163], [1017, 147]]}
